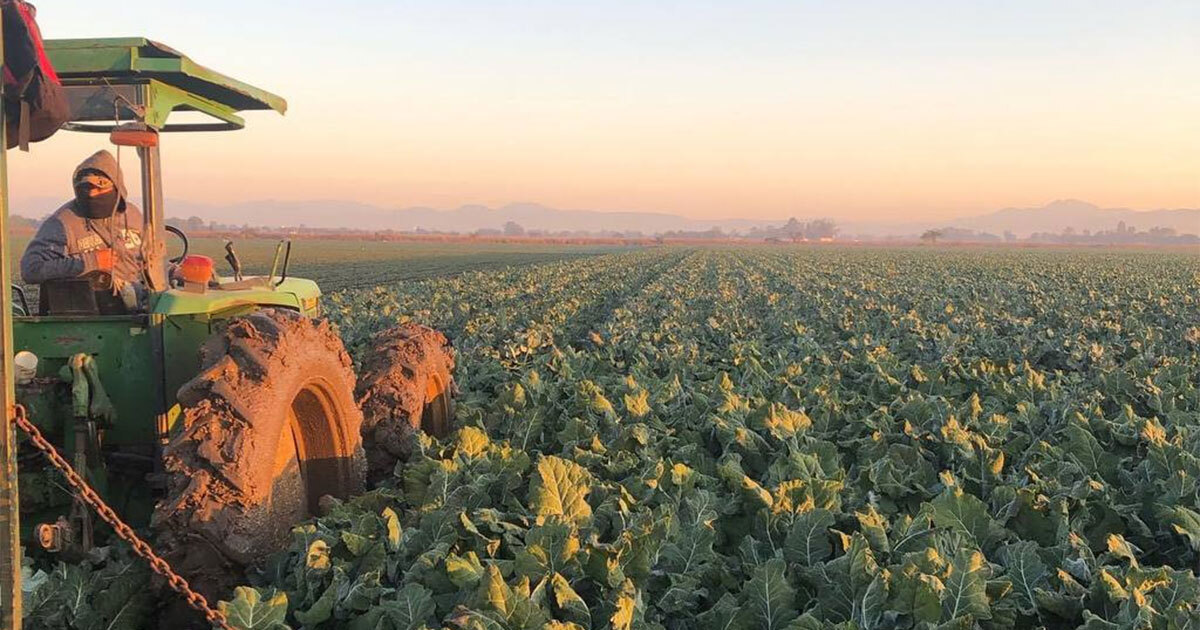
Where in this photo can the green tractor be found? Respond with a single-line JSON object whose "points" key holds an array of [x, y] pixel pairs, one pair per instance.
{"points": [[221, 411]]}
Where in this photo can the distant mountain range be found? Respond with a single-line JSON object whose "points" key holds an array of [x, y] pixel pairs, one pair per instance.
{"points": [[469, 218], [1053, 217]]}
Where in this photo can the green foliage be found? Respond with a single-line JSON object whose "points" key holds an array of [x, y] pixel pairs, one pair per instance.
{"points": [[109, 589], [804, 439], [560, 488], [252, 609], [785, 438], [769, 601]]}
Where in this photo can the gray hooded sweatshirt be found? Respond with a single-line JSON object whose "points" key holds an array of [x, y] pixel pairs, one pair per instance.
{"points": [[66, 243]]}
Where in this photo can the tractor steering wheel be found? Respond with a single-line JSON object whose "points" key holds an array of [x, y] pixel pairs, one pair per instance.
{"points": [[183, 237]]}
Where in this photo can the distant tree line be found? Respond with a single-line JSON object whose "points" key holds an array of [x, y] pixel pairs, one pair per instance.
{"points": [[1121, 235], [960, 235], [512, 228], [793, 230], [18, 222], [796, 230], [714, 234]]}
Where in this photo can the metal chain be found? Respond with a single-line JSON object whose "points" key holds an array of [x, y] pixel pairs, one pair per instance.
{"points": [[140, 547]]}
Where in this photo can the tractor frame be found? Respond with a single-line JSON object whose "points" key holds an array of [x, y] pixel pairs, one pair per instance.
{"points": [[138, 360]]}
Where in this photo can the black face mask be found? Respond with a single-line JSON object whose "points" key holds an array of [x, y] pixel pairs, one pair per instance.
{"points": [[98, 207]]}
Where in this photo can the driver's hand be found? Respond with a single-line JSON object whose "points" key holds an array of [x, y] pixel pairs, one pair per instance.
{"points": [[105, 259]]}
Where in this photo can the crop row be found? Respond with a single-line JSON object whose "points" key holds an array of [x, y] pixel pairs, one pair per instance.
{"points": [[778, 438]]}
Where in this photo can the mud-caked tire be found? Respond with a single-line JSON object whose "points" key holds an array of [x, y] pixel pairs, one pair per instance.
{"points": [[406, 384], [268, 427]]}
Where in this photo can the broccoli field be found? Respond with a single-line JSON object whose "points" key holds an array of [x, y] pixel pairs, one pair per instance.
{"points": [[770, 438]]}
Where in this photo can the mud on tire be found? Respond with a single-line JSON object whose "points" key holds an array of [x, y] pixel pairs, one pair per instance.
{"points": [[406, 384], [268, 427]]}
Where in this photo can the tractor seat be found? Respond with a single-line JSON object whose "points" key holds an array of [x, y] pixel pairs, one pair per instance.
{"points": [[76, 296]]}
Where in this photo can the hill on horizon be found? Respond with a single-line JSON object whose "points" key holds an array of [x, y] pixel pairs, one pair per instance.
{"points": [[333, 214], [1079, 215]]}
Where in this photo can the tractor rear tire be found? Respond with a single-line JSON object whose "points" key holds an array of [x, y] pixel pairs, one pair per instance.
{"points": [[406, 384], [269, 426]]}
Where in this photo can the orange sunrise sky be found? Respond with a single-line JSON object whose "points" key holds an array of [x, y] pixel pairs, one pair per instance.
{"points": [[857, 111]]}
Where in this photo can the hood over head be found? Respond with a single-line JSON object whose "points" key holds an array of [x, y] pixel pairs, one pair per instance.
{"points": [[104, 162]]}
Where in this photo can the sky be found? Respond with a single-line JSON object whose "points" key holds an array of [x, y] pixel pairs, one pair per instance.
{"points": [[856, 111]]}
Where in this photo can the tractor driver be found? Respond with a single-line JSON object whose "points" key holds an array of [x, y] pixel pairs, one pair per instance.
{"points": [[96, 236]]}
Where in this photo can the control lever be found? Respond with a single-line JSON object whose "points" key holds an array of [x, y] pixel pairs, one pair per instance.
{"points": [[232, 257]]}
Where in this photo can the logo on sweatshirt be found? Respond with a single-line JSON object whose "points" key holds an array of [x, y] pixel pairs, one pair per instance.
{"points": [[89, 243], [132, 239]]}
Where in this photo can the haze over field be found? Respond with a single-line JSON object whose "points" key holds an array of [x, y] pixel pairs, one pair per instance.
{"points": [[866, 112], [331, 214]]}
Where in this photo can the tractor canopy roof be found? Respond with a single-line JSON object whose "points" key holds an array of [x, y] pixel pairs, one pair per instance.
{"points": [[114, 80]]}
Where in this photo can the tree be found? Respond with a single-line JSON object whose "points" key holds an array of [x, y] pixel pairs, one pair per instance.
{"points": [[793, 229], [822, 228], [931, 236], [18, 221], [512, 228]]}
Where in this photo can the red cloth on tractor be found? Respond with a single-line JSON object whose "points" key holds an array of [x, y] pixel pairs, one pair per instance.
{"points": [[35, 104]]}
